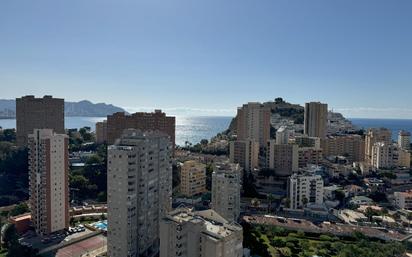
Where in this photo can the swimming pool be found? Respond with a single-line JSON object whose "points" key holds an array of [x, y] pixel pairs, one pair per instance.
{"points": [[102, 225]]}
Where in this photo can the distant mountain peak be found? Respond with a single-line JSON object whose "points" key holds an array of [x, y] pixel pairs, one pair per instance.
{"points": [[82, 108]]}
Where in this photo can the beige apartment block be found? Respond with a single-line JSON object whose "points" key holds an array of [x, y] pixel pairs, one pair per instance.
{"points": [[38, 113], [145, 121], [101, 132], [48, 181], [404, 140], [192, 178], [315, 120], [187, 233], [282, 158], [139, 192], [245, 153], [253, 123], [350, 146]]}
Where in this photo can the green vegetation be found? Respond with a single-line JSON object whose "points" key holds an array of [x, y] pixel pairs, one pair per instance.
{"points": [[21, 208], [14, 248], [13, 174], [8, 135], [90, 181], [269, 241]]}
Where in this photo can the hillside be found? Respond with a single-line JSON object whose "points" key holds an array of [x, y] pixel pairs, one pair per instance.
{"points": [[83, 108]]}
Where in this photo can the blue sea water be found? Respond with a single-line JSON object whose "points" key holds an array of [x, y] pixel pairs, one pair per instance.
{"points": [[395, 125], [192, 129]]}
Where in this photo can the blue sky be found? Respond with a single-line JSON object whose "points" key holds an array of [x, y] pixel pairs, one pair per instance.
{"points": [[208, 57]]}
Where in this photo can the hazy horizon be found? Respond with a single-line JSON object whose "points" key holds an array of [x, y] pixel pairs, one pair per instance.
{"points": [[211, 57]]}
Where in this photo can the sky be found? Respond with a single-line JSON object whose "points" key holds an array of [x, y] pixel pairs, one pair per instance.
{"points": [[207, 57]]}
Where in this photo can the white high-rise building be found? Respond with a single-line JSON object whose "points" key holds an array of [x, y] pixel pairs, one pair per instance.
{"points": [[139, 190], [185, 233], [48, 180], [384, 155], [373, 136], [282, 136], [226, 186], [304, 189], [316, 118], [404, 140]]}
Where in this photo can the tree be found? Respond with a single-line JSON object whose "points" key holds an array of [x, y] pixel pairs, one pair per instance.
{"points": [[204, 142], [305, 201], [9, 235], [19, 209]]}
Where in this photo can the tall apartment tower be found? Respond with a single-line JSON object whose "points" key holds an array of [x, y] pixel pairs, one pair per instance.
{"points": [[253, 122], [245, 153], [316, 118], [101, 132], [38, 113], [144, 121], [48, 180], [404, 140], [226, 186], [305, 189], [139, 191], [192, 178], [373, 136], [186, 233]]}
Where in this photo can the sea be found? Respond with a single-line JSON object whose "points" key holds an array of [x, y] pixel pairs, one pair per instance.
{"points": [[193, 129]]}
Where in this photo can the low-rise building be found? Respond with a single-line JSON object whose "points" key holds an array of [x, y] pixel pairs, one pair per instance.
{"points": [[186, 233], [403, 200]]}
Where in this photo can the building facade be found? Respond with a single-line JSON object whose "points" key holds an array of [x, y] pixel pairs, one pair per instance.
{"points": [[309, 155], [315, 120], [384, 155], [139, 190], [192, 178], [48, 181], [404, 140], [282, 136], [38, 113], [101, 132], [282, 158], [253, 123], [350, 146], [226, 178], [157, 120], [304, 189], [373, 136], [403, 200], [245, 153], [185, 233]]}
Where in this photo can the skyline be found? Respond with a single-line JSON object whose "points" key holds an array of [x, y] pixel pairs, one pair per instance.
{"points": [[210, 58]]}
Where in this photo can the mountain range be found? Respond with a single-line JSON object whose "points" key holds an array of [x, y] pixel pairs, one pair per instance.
{"points": [[83, 108]]}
